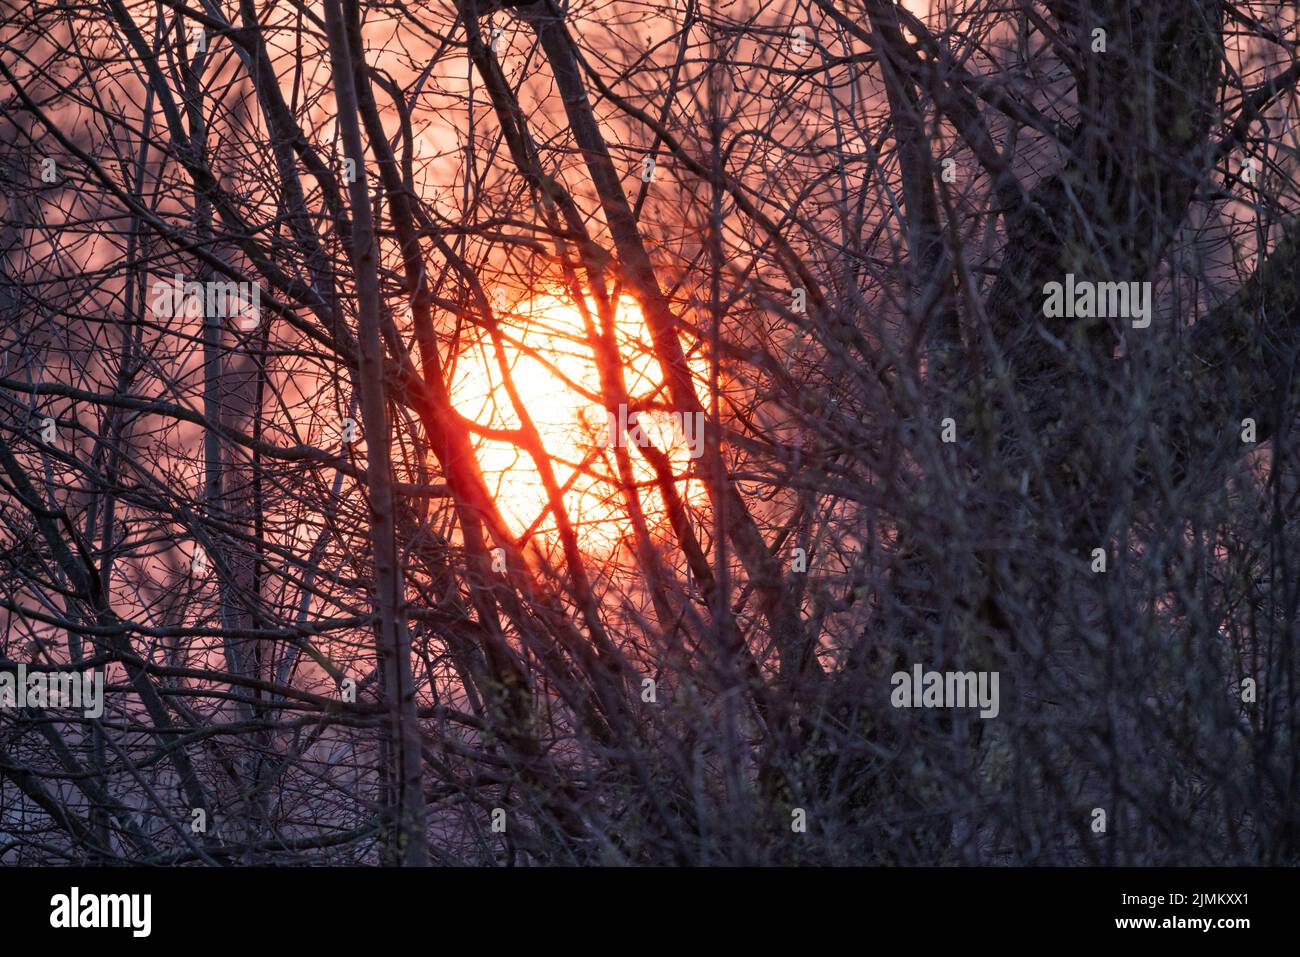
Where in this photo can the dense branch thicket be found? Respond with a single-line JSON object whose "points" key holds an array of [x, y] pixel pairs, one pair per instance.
{"points": [[278, 285]]}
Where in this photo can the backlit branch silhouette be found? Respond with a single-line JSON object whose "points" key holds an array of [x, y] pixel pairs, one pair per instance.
{"points": [[509, 433]]}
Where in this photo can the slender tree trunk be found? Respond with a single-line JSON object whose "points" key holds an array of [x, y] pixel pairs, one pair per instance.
{"points": [[392, 637]]}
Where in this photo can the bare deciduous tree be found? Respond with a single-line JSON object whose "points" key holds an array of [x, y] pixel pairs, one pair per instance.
{"points": [[566, 432]]}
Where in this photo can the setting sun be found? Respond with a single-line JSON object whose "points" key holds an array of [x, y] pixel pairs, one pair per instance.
{"points": [[554, 371]]}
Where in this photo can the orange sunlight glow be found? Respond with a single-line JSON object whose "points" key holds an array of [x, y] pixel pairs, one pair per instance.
{"points": [[557, 379]]}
